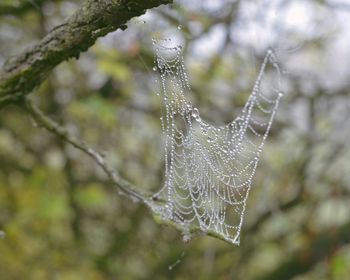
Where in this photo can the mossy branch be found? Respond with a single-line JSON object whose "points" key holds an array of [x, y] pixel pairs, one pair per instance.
{"points": [[190, 230], [22, 73]]}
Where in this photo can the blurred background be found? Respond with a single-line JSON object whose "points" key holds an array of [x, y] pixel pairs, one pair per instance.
{"points": [[62, 220]]}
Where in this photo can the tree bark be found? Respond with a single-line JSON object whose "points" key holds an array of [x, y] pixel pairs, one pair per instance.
{"points": [[22, 73]]}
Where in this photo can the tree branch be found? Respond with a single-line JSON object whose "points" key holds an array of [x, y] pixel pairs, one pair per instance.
{"points": [[42, 120], [62, 133], [96, 18]]}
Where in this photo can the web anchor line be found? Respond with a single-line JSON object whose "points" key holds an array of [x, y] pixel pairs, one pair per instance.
{"points": [[209, 169]]}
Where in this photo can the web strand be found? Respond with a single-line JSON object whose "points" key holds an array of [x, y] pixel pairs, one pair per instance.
{"points": [[209, 169]]}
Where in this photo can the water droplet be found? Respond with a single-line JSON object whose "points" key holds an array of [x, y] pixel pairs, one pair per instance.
{"points": [[186, 238], [195, 114], [210, 139], [179, 27], [154, 68], [204, 129]]}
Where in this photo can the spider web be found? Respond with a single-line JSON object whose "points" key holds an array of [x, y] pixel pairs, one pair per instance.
{"points": [[209, 169]]}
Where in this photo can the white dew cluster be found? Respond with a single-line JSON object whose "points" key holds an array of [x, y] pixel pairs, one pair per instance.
{"points": [[209, 169]]}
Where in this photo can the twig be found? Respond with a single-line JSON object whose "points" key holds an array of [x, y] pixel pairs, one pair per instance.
{"points": [[191, 230], [41, 119]]}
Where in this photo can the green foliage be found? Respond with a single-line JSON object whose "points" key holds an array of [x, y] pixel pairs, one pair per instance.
{"points": [[110, 62], [94, 107]]}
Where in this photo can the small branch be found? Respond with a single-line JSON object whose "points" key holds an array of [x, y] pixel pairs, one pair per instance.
{"points": [[190, 230], [41, 119], [61, 132]]}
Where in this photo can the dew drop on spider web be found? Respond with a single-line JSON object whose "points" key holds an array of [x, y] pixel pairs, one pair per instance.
{"points": [[209, 169]]}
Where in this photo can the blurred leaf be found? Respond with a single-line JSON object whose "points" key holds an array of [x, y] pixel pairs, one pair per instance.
{"points": [[108, 61], [53, 207], [94, 107], [91, 196], [340, 264]]}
